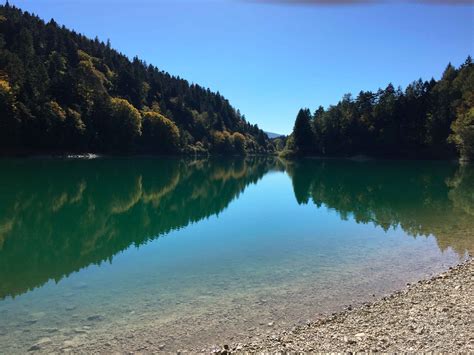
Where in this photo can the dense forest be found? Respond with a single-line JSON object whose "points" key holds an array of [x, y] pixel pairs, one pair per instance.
{"points": [[62, 92], [429, 119]]}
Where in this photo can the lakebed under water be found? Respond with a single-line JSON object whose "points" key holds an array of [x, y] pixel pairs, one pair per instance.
{"points": [[187, 253]]}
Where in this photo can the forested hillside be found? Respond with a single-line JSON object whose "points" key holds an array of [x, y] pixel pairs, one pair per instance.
{"points": [[429, 119], [62, 92]]}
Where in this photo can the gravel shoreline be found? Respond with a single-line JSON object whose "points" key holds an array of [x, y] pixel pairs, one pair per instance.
{"points": [[432, 315]]}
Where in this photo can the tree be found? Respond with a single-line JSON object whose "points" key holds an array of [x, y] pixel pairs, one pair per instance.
{"points": [[125, 125], [411, 123], [238, 141], [160, 134], [222, 143], [302, 132], [463, 134], [47, 67], [463, 125], [75, 131], [261, 138], [9, 124]]}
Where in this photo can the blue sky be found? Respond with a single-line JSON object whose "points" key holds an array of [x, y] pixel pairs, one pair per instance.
{"points": [[270, 59]]}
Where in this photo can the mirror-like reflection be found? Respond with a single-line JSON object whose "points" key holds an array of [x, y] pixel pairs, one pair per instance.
{"points": [[424, 198], [196, 251], [59, 216]]}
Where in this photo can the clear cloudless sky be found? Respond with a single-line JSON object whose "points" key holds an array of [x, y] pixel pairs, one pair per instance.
{"points": [[270, 60]]}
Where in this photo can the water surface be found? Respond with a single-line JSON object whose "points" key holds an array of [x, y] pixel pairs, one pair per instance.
{"points": [[185, 253]]}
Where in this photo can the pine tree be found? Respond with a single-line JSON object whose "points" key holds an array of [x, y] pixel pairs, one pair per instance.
{"points": [[302, 132]]}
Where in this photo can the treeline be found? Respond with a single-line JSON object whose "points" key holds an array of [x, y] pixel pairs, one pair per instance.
{"points": [[430, 119], [62, 92]]}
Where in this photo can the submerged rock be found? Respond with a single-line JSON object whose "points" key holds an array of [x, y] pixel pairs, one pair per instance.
{"points": [[95, 318], [50, 330], [40, 344], [80, 285]]}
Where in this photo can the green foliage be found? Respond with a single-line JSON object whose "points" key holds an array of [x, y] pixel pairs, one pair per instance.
{"points": [[228, 144], [238, 141], [69, 93], [463, 134], [125, 124], [160, 134], [8, 122], [221, 142], [302, 132], [414, 123], [463, 125]]}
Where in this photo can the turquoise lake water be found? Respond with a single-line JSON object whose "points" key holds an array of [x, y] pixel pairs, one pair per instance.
{"points": [[196, 252]]}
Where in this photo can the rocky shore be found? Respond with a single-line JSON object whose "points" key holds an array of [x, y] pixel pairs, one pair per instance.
{"points": [[432, 315]]}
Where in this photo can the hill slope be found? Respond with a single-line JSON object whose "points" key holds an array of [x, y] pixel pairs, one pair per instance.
{"points": [[63, 92]]}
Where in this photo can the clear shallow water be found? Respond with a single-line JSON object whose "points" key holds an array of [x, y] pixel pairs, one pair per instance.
{"points": [[192, 252]]}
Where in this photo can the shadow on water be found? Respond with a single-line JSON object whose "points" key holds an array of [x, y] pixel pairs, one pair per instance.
{"points": [[57, 217]]}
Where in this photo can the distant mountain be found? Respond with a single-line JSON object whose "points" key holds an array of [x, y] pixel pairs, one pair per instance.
{"points": [[62, 92], [274, 135]]}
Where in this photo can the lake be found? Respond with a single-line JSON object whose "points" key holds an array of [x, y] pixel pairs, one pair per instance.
{"points": [[191, 252]]}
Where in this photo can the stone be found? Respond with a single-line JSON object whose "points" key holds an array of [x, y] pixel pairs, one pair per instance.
{"points": [[40, 344], [80, 285], [69, 343], [35, 317], [50, 330], [95, 318], [34, 347], [80, 331]]}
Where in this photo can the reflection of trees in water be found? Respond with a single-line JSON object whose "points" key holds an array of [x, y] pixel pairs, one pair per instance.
{"points": [[423, 198], [459, 234], [59, 216], [462, 189]]}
